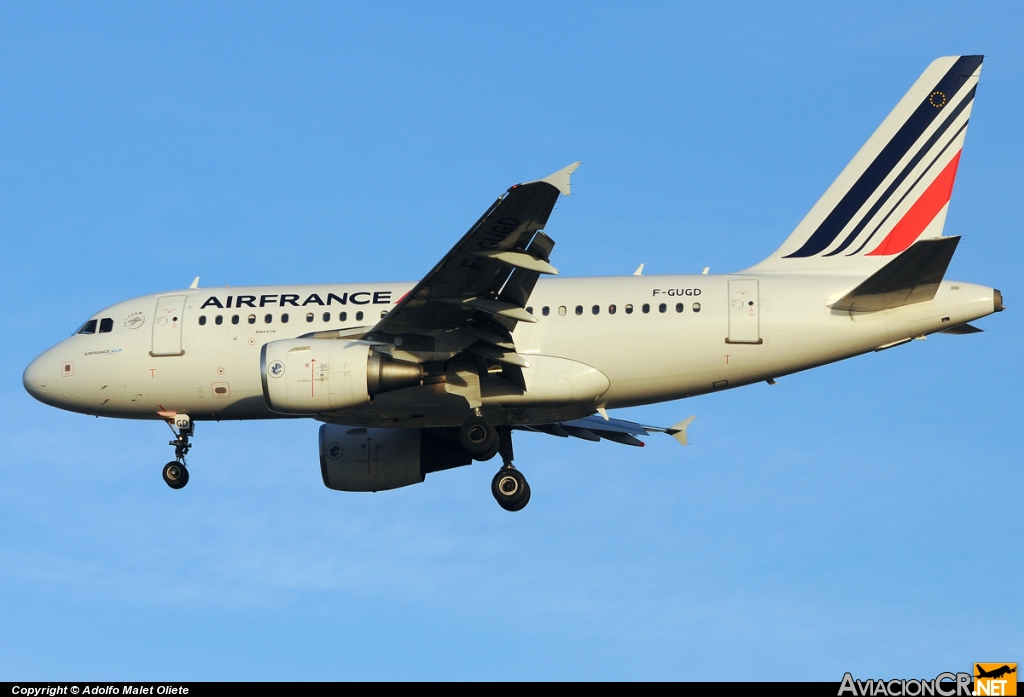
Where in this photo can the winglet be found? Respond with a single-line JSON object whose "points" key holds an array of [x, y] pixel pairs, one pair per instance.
{"points": [[679, 430], [560, 179]]}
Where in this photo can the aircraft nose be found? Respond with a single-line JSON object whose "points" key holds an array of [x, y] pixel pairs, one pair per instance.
{"points": [[35, 378]]}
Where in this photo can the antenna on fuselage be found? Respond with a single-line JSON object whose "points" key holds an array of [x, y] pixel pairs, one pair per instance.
{"points": [[639, 270], [195, 283]]}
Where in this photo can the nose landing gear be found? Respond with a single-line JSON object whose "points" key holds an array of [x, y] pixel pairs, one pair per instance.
{"points": [[509, 486], [176, 472]]}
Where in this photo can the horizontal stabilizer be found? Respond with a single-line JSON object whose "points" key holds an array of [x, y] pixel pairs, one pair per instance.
{"points": [[912, 277], [962, 329]]}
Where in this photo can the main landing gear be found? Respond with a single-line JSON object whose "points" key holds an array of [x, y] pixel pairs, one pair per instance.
{"points": [[483, 441], [479, 438], [175, 472]]}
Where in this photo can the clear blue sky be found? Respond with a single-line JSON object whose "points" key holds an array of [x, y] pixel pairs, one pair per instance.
{"points": [[857, 517]]}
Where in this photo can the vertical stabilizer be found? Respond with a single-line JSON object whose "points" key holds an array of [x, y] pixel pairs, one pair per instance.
{"points": [[896, 189]]}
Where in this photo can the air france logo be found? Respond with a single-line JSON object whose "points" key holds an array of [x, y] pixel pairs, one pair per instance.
{"points": [[276, 369], [363, 297]]}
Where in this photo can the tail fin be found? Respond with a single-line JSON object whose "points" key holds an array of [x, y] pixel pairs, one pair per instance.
{"points": [[896, 189]]}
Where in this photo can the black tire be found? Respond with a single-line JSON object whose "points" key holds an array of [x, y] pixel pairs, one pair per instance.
{"points": [[523, 501], [510, 489], [488, 454], [479, 438], [175, 474]]}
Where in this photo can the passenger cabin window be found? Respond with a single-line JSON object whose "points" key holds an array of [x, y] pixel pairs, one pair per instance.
{"points": [[309, 316], [646, 308], [284, 318], [267, 319], [629, 309], [252, 319], [561, 310], [679, 307], [662, 307], [219, 319], [234, 319], [343, 316], [611, 309], [383, 314], [359, 316], [530, 310], [106, 325], [88, 328], [327, 317], [596, 309], [696, 307], [202, 320], [579, 309], [545, 310]]}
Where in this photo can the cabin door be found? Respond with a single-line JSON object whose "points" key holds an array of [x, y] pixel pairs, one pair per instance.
{"points": [[744, 313], [170, 313]]}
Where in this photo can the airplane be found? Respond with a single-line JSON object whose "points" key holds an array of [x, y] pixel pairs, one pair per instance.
{"points": [[995, 673], [410, 378]]}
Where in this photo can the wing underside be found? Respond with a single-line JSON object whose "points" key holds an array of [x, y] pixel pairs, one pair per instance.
{"points": [[597, 428]]}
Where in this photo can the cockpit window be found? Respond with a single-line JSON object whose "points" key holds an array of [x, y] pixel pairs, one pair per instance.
{"points": [[106, 325], [88, 328]]}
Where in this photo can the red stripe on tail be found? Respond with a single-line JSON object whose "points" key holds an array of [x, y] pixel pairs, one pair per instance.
{"points": [[921, 213]]}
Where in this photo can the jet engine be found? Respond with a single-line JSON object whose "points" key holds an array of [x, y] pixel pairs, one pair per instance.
{"points": [[376, 459], [311, 376]]}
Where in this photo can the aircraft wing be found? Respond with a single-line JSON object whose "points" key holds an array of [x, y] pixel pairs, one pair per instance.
{"points": [[596, 428], [484, 281]]}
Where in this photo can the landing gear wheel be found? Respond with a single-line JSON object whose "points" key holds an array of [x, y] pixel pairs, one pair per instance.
{"points": [[479, 438], [175, 474], [510, 489], [523, 501]]}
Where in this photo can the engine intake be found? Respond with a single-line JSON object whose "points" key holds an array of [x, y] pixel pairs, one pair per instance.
{"points": [[377, 459], [311, 376]]}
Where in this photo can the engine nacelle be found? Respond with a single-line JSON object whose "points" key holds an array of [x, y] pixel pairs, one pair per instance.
{"points": [[376, 459], [312, 376]]}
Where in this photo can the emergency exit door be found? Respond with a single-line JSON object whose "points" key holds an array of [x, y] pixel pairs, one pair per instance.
{"points": [[170, 311], [744, 313]]}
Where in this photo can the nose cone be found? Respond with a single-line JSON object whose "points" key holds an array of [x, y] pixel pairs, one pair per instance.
{"points": [[35, 378]]}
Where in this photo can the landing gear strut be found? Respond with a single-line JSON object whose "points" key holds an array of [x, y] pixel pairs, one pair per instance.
{"points": [[175, 472], [509, 486]]}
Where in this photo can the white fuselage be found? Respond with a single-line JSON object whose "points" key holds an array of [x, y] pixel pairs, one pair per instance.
{"points": [[732, 330]]}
